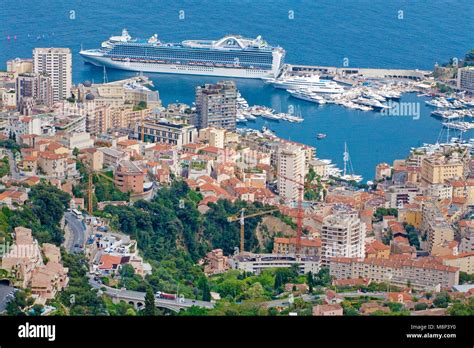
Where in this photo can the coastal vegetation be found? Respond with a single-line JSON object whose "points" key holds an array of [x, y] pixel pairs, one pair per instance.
{"points": [[42, 214], [4, 167], [173, 236]]}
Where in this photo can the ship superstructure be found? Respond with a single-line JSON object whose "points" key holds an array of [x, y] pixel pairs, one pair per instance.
{"points": [[230, 56]]}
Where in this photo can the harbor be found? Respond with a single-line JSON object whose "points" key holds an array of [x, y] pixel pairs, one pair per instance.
{"points": [[309, 95], [371, 136]]}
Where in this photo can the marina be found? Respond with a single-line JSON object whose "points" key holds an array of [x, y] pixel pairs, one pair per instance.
{"points": [[371, 137], [462, 126]]}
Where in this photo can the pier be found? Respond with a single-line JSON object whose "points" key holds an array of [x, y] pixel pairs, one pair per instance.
{"points": [[341, 74]]}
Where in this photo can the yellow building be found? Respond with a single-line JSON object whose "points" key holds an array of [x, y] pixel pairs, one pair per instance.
{"points": [[103, 118], [410, 214], [377, 250], [213, 136], [464, 261], [436, 170], [464, 189]]}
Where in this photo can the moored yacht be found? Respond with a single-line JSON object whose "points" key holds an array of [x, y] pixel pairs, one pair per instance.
{"points": [[313, 83]]}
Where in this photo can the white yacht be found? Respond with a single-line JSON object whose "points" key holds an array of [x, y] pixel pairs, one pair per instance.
{"points": [[307, 95], [313, 83], [373, 103]]}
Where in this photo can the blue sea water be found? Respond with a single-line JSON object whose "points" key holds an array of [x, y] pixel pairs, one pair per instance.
{"points": [[368, 33]]}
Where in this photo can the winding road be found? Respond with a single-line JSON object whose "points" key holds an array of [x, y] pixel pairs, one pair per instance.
{"points": [[77, 228]]}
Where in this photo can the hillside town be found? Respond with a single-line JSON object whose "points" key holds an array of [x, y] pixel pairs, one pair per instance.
{"points": [[302, 240]]}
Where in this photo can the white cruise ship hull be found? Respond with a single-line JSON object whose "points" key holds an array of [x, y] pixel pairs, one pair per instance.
{"points": [[99, 60]]}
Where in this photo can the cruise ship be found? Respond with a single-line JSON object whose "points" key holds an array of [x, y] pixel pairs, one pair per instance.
{"points": [[230, 56]]}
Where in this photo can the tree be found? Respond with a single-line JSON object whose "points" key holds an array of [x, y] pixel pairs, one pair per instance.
{"points": [[466, 278], [441, 300], [127, 271], [231, 288], [283, 276], [381, 212], [460, 308], [255, 291], [194, 311], [75, 152], [395, 306], [19, 302], [349, 310], [150, 308], [204, 287], [310, 281], [323, 278], [421, 306], [79, 297], [412, 234]]}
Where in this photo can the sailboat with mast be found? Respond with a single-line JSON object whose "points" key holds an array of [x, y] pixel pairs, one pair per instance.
{"points": [[348, 172]]}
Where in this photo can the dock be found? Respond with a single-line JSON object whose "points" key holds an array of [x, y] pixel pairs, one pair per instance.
{"points": [[340, 74]]}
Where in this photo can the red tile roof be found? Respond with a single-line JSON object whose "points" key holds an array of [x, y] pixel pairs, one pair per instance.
{"points": [[109, 261]]}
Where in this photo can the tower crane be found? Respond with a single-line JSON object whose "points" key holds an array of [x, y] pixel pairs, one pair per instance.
{"points": [[90, 186], [300, 213], [241, 218]]}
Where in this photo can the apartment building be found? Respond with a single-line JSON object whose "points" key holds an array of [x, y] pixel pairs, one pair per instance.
{"points": [[213, 136], [35, 86], [463, 261], [53, 164], [467, 241], [57, 64], [342, 235], [422, 274], [111, 156], [291, 171], [438, 169], [129, 177], [308, 246], [100, 119], [22, 257], [216, 105], [440, 191], [410, 214], [19, 66], [93, 157], [465, 79], [398, 195], [435, 226], [178, 134], [256, 263], [80, 141], [382, 171]]}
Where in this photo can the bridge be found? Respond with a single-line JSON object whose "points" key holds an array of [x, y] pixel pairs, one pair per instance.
{"points": [[137, 298]]}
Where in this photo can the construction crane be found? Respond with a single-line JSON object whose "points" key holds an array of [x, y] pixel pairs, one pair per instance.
{"points": [[90, 188], [300, 213], [241, 218]]}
